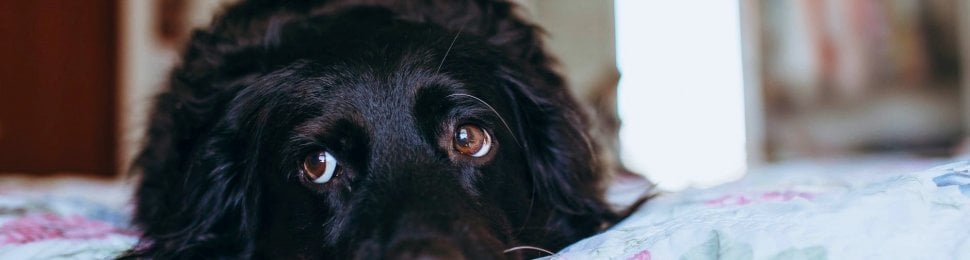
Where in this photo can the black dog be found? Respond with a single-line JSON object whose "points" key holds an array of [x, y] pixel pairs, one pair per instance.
{"points": [[366, 129]]}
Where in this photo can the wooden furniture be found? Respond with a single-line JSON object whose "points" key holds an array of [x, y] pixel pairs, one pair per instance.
{"points": [[57, 86]]}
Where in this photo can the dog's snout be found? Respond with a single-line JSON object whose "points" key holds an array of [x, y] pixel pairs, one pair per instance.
{"points": [[432, 217], [424, 249]]}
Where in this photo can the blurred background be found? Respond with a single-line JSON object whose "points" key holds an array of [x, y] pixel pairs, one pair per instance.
{"points": [[688, 96], [708, 93]]}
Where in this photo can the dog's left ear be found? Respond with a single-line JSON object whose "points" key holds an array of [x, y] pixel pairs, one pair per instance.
{"points": [[560, 154]]}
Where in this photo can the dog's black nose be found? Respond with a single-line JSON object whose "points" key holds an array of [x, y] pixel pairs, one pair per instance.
{"points": [[424, 249]]}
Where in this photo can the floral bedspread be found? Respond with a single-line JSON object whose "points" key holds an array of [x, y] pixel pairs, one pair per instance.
{"points": [[63, 219], [874, 210], [890, 209]]}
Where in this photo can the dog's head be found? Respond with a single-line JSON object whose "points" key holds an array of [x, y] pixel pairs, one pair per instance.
{"points": [[398, 131]]}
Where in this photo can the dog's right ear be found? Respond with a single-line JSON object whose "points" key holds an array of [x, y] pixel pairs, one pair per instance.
{"points": [[194, 200], [205, 210]]}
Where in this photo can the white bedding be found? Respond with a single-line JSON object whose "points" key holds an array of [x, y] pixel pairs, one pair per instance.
{"points": [[870, 209], [64, 218], [873, 209]]}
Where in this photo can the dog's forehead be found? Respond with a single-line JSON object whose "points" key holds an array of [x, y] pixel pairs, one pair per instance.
{"points": [[385, 72], [378, 66], [378, 77], [383, 97], [380, 88]]}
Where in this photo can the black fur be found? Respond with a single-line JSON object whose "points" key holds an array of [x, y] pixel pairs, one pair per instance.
{"points": [[380, 84]]}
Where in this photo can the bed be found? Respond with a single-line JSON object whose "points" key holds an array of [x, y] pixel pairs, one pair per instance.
{"points": [[875, 208], [64, 218]]}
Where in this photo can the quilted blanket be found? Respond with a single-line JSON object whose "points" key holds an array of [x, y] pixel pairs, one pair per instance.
{"points": [[885, 209], [64, 218], [838, 210]]}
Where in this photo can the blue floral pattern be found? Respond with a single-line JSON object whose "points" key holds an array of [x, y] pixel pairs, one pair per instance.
{"points": [[959, 179]]}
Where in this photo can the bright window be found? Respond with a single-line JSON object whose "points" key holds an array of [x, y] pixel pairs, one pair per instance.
{"points": [[681, 93]]}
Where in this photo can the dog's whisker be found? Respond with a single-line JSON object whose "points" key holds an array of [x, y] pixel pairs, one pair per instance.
{"points": [[449, 50], [506, 124], [528, 248]]}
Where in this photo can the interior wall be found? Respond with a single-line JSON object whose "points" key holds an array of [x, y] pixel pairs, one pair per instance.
{"points": [[581, 34], [751, 59]]}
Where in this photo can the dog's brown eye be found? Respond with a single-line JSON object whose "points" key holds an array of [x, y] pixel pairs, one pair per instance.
{"points": [[320, 166], [472, 141]]}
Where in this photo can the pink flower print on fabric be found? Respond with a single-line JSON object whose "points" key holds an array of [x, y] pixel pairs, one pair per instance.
{"points": [[642, 255], [773, 196], [33, 228]]}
